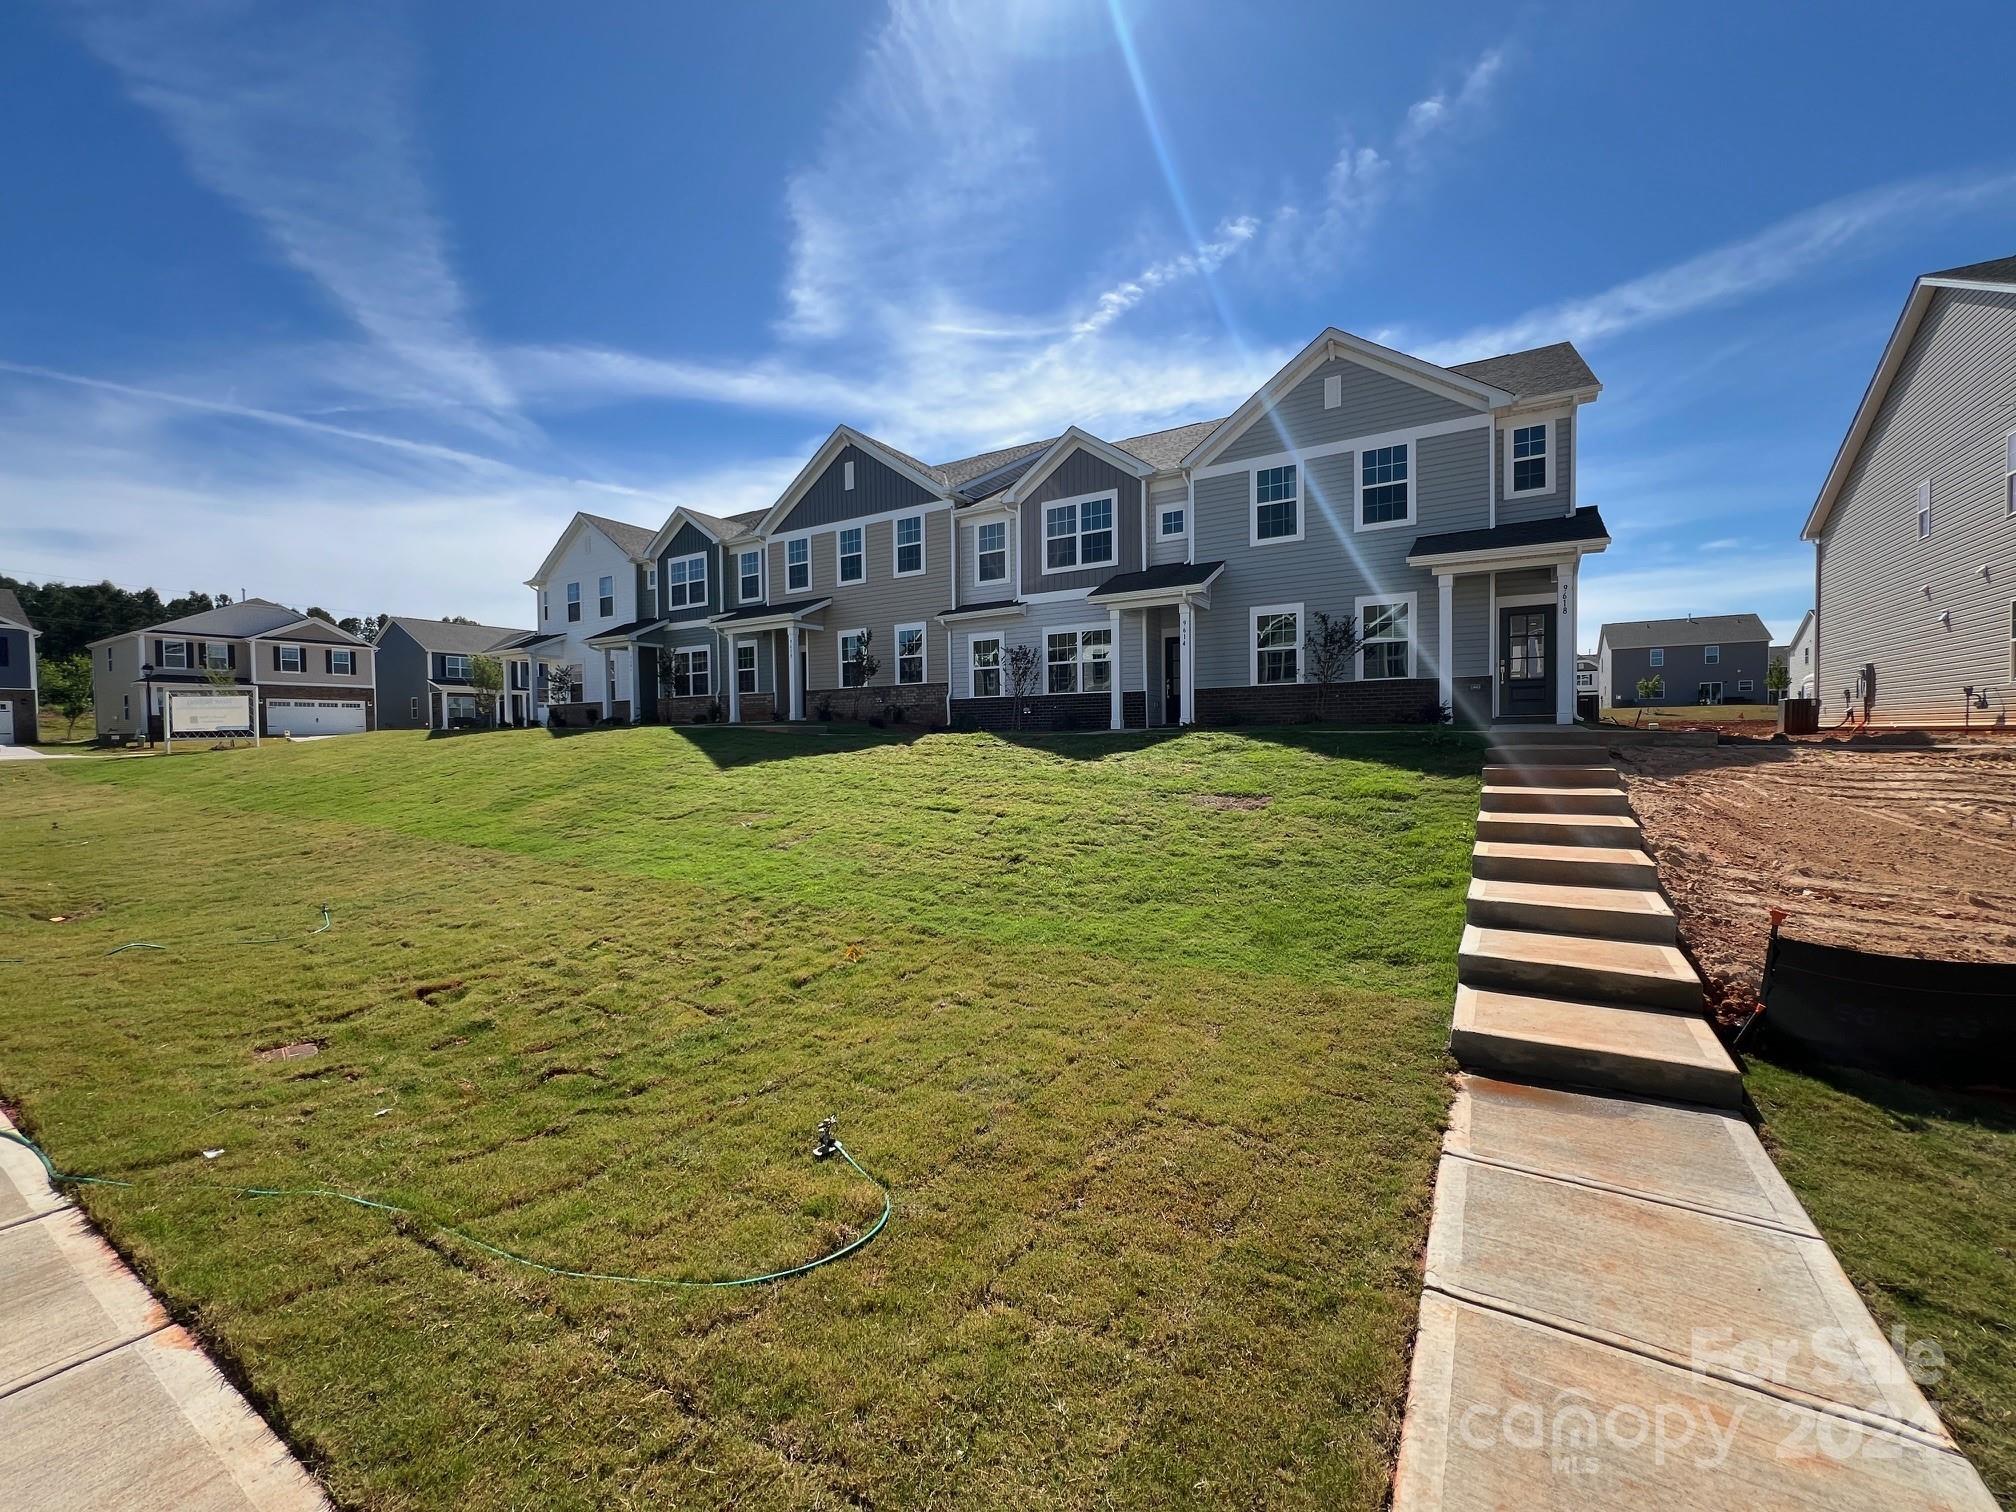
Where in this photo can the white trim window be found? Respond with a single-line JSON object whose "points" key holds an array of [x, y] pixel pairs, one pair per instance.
{"points": [[343, 663], [545, 607], [605, 597], [1079, 533], [745, 666], [174, 656], [413, 707], [1385, 486], [847, 475], [850, 647], [1169, 521], [749, 577], [908, 533], [983, 656], [1526, 466], [2009, 466], [990, 552], [910, 654], [651, 582], [1711, 656], [798, 565], [1746, 685], [686, 582], [1276, 513], [1387, 628], [853, 555], [1656, 656], [1925, 510], [454, 667], [1079, 661], [1275, 645], [573, 603], [216, 656], [687, 672], [289, 658]]}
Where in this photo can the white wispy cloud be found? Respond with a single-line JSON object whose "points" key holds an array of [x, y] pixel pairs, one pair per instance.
{"points": [[1447, 110]]}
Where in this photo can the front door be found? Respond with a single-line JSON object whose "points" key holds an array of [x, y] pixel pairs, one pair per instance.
{"points": [[1172, 679], [1526, 662]]}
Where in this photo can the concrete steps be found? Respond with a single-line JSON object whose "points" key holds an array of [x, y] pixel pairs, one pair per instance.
{"points": [[1609, 830], [1573, 966], [1510, 754], [1553, 776], [1566, 798], [1563, 865], [1608, 913], [1651, 1052]]}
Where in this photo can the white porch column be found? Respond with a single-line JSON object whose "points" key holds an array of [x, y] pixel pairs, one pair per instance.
{"points": [[1119, 694], [1445, 637], [1564, 677], [797, 709], [1186, 626], [608, 684], [734, 679]]}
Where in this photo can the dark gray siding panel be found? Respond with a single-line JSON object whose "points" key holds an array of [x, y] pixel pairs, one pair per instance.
{"points": [[877, 489], [16, 665], [687, 541], [402, 677], [1924, 613], [1686, 668], [1371, 402], [1082, 473]]}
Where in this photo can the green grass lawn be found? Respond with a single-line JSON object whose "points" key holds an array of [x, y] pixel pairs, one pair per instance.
{"points": [[1755, 713], [1145, 1035], [1913, 1189]]}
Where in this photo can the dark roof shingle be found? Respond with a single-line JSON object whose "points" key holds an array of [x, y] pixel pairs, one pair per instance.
{"points": [[461, 639], [1997, 270], [10, 608], [1556, 369], [635, 539], [1554, 530], [1690, 630]]}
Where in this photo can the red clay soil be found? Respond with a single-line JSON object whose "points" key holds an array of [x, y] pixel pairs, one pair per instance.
{"points": [[1905, 851]]}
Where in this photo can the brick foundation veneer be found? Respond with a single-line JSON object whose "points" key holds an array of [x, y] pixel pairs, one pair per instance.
{"points": [[1399, 700], [758, 708], [701, 710], [24, 715], [921, 703], [1050, 711]]}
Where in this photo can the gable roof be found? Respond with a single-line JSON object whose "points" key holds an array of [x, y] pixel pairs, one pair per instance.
{"points": [[634, 541], [1051, 457], [307, 628], [1536, 372], [922, 474], [1695, 630], [461, 640], [1161, 450], [1998, 273], [1803, 623], [247, 617], [11, 610]]}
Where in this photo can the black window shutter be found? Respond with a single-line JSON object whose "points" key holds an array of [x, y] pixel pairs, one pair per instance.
{"points": [[189, 656], [231, 656], [157, 651], [276, 658], [328, 660]]}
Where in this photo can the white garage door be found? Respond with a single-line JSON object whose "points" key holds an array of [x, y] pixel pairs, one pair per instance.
{"points": [[300, 716], [6, 724]]}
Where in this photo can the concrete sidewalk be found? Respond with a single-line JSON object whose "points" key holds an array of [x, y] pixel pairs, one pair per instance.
{"points": [[103, 1401]]}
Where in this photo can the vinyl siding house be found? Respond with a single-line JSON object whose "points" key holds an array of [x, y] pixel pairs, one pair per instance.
{"points": [[424, 668], [1799, 657], [308, 677], [1710, 659], [594, 596], [20, 692], [1914, 528]]}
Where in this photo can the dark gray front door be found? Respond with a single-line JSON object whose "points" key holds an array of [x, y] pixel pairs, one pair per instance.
{"points": [[1526, 662]]}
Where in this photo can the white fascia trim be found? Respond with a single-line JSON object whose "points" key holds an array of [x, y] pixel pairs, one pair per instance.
{"points": [[538, 579], [1991, 285], [961, 616], [1253, 537], [1496, 559], [1054, 595], [833, 528], [678, 517], [1512, 423], [1349, 444], [1894, 352], [309, 620], [1336, 343], [1253, 643], [896, 546], [1198, 597], [896, 651], [1072, 440], [843, 436], [1358, 524], [1076, 501], [1411, 600]]}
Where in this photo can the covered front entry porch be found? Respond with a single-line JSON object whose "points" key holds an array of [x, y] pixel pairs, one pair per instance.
{"points": [[629, 671], [1507, 606], [1160, 605], [767, 654]]}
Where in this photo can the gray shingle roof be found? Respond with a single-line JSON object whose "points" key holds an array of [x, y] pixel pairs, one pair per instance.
{"points": [[1583, 525], [1695, 630], [635, 539], [1162, 575], [989, 473], [1555, 369], [1999, 270], [10, 608], [252, 616], [966, 469], [462, 640]]}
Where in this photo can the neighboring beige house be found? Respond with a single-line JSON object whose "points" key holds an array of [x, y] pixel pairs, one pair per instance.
{"points": [[1914, 528], [307, 676]]}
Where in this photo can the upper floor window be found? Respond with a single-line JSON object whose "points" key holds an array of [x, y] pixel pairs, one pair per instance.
{"points": [[1078, 534], [1529, 458], [605, 597], [215, 656], [1277, 504], [1925, 509], [853, 555], [909, 545], [1385, 486], [991, 545], [1277, 643], [343, 663], [455, 668], [1658, 656], [287, 658], [909, 653], [573, 602], [749, 571], [1711, 655], [798, 565], [1169, 522], [686, 581], [174, 655], [1388, 637], [1080, 661], [847, 474]]}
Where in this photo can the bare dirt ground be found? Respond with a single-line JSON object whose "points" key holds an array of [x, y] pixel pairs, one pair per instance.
{"points": [[1910, 851]]}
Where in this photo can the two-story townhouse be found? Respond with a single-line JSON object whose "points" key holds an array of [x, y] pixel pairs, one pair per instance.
{"points": [[1695, 659], [308, 676], [1914, 528], [20, 688], [595, 598], [694, 558], [424, 672]]}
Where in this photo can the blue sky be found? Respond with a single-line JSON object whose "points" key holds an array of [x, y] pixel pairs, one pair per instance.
{"points": [[355, 305]]}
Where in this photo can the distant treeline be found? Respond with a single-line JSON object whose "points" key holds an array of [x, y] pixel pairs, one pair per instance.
{"points": [[72, 615]]}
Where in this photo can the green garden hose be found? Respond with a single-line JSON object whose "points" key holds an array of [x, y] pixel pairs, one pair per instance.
{"points": [[59, 1178]]}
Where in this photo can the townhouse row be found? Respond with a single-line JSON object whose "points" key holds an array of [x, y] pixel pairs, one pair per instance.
{"points": [[1168, 578]]}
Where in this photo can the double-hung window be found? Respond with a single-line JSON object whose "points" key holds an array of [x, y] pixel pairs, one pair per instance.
{"points": [[1925, 510], [689, 673], [909, 545], [573, 602], [686, 582], [1277, 643], [455, 668], [798, 565], [991, 548], [1657, 656], [651, 583], [1277, 504], [343, 663], [986, 654], [853, 555], [745, 668], [1388, 631], [216, 656], [1711, 656], [174, 656], [1385, 485], [1528, 445], [851, 642], [287, 658], [1078, 533], [749, 574], [605, 597], [909, 653], [1080, 661]]}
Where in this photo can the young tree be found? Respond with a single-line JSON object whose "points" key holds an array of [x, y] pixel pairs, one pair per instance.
{"points": [[864, 663], [559, 682], [1778, 679], [1650, 690], [1329, 651], [486, 676], [1025, 670], [66, 687]]}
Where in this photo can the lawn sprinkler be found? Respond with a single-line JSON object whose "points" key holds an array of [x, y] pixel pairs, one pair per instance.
{"points": [[829, 1143]]}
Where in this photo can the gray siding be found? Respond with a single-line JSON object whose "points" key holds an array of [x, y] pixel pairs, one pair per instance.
{"points": [[1082, 473], [1527, 581], [1033, 628], [1371, 402], [1333, 566], [877, 489], [1165, 493], [1538, 506], [1471, 613], [1882, 591], [879, 603], [16, 664], [402, 677], [1686, 668], [689, 540]]}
